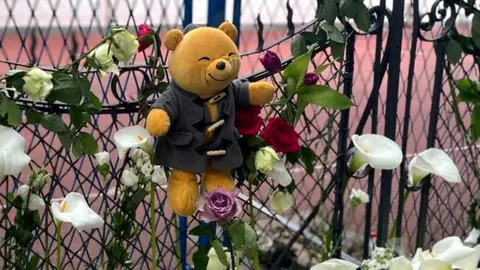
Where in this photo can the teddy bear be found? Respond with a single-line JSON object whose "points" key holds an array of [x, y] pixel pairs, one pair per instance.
{"points": [[194, 117]]}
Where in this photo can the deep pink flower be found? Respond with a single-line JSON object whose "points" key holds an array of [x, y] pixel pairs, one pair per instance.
{"points": [[310, 78], [271, 62], [145, 36], [219, 205]]}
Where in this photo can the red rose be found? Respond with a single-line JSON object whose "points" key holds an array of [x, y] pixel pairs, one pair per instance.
{"points": [[145, 36], [247, 121], [281, 136]]}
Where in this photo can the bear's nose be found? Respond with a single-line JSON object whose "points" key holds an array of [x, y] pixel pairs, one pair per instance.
{"points": [[221, 65]]}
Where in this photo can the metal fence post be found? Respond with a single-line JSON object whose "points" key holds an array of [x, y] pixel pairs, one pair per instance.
{"points": [[187, 12], [216, 12], [432, 132], [237, 14], [396, 30]]}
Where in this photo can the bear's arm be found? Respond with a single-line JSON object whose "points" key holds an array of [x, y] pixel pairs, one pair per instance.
{"points": [[163, 112], [255, 93]]}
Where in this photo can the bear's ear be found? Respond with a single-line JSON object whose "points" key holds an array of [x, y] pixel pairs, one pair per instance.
{"points": [[172, 39], [229, 29]]}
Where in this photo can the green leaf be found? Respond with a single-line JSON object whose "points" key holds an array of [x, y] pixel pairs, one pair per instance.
{"points": [[78, 117], [310, 37], [204, 229], [250, 162], [320, 69], [243, 236], [454, 51], [84, 143], [338, 50], [349, 8], [333, 33], [32, 264], [308, 159], [301, 105], [293, 157], [255, 142], [33, 117], [10, 109], [330, 10], [298, 46], [15, 79], [476, 122], [65, 139], [53, 123], [200, 257], [298, 67], [469, 91], [288, 113], [476, 23], [324, 96], [362, 18], [138, 196], [291, 87], [95, 101], [222, 256], [150, 90], [66, 88]]}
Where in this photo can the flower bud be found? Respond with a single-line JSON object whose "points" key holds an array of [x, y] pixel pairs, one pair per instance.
{"points": [[280, 201], [147, 169], [102, 158], [129, 179], [38, 84], [310, 78], [358, 197], [23, 191], [145, 36], [271, 62], [124, 46], [102, 56], [265, 159], [159, 177]]}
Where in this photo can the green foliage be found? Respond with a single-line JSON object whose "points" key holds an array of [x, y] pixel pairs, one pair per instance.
{"points": [[15, 79], [454, 51], [200, 257], [298, 46], [297, 68], [222, 256], [243, 237], [11, 110], [469, 92]]}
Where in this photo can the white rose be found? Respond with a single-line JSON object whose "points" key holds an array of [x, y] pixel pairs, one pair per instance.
{"points": [[102, 157], [358, 196], [35, 202], [103, 58], [159, 177], [23, 191], [38, 84], [129, 179], [124, 45], [280, 201], [147, 169], [139, 164], [265, 159]]}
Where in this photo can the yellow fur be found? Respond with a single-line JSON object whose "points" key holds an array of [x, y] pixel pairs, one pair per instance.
{"points": [[193, 66]]}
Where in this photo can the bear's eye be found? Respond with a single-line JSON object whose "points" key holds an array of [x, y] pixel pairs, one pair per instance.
{"points": [[204, 59], [231, 54]]}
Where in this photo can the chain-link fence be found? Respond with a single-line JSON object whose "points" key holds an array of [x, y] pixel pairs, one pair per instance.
{"points": [[397, 82]]}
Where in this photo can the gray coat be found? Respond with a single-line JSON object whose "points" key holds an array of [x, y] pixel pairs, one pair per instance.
{"points": [[184, 146]]}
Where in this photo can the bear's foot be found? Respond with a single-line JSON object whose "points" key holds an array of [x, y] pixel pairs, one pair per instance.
{"points": [[214, 179], [182, 192]]}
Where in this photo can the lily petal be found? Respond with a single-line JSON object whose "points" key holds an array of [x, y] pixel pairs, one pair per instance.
{"points": [[378, 151], [11, 139], [434, 161], [77, 212], [130, 137], [470, 262], [335, 264], [473, 236], [434, 264], [451, 249], [280, 174], [400, 263]]}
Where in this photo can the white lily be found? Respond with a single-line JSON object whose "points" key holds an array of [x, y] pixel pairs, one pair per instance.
{"points": [[432, 161], [12, 152], [375, 150], [472, 238], [75, 210], [335, 264], [434, 264], [280, 201], [130, 137], [470, 262], [449, 250], [400, 263]]}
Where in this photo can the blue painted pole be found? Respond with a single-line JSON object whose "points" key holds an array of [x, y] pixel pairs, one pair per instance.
{"points": [[216, 12], [183, 241], [187, 12], [237, 13]]}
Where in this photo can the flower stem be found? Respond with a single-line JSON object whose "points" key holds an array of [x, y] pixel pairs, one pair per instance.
{"points": [[153, 225], [59, 245], [47, 247], [83, 55], [256, 260], [393, 231]]}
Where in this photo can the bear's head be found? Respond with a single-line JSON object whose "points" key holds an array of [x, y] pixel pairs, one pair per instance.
{"points": [[203, 60]]}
